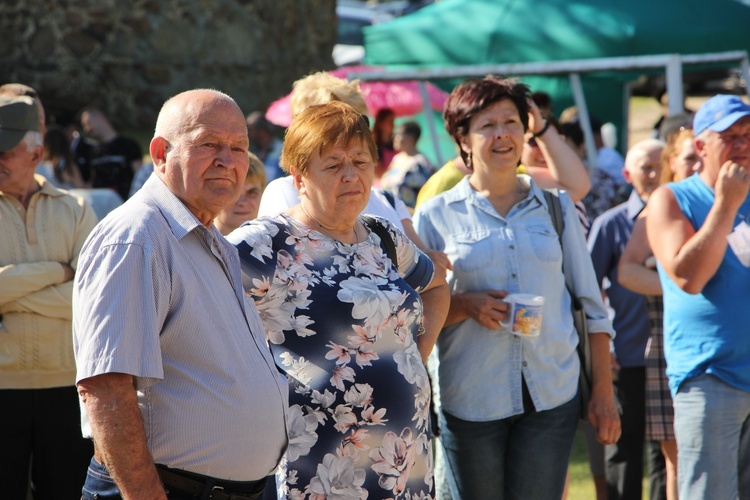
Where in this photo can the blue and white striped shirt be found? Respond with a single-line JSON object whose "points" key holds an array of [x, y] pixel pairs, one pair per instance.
{"points": [[159, 296]]}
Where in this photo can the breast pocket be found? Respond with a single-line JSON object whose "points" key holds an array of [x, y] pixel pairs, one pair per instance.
{"points": [[545, 243], [473, 250]]}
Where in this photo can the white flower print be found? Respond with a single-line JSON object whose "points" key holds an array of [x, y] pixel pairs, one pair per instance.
{"points": [[261, 287], [364, 355], [369, 261], [300, 324], [354, 443], [295, 494], [276, 313], [341, 263], [372, 417], [369, 301], [409, 361], [296, 368], [337, 479], [258, 237], [355, 322], [421, 409], [393, 460], [365, 335], [344, 418], [340, 375], [301, 430], [359, 395], [324, 399], [339, 353], [401, 324]]}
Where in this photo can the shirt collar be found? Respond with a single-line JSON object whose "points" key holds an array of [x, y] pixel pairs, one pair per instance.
{"points": [[180, 219], [47, 187], [464, 190], [635, 205]]}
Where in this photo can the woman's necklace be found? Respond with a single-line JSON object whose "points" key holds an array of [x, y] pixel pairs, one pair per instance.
{"points": [[325, 231]]}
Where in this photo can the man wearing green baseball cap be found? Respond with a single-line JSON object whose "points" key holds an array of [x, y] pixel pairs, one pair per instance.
{"points": [[43, 230]]}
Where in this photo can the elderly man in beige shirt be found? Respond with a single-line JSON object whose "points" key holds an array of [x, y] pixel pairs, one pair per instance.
{"points": [[43, 230]]}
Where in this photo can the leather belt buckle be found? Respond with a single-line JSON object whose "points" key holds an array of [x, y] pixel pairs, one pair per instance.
{"points": [[220, 490]]}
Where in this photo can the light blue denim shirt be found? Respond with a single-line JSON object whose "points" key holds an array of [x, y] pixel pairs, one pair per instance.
{"points": [[480, 370]]}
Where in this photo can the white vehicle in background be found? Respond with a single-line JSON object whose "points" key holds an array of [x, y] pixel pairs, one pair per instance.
{"points": [[352, 17]]}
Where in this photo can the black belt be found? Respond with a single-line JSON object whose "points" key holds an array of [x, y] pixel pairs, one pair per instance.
{"points": [[209, 488]]}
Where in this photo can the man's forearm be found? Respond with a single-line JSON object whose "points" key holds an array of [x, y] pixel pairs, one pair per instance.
{"points": [[700, 257], [53, 301], [19, 280], [119, 436]]}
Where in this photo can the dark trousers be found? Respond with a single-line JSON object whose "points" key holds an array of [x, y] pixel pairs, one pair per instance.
{"points": [[657, 471], [625, 458], [40, 430]]}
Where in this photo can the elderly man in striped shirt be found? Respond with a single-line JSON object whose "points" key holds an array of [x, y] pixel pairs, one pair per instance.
{"points": [[177, 386]]}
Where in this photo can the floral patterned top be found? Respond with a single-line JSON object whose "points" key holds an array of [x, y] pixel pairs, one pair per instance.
{"points": [[342, 324]]}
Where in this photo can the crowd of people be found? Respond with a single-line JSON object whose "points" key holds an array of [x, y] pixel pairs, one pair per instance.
{"points": [[327, 316]]}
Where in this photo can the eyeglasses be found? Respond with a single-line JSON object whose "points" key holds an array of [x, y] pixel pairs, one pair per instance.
{"points": [[735, 139]]}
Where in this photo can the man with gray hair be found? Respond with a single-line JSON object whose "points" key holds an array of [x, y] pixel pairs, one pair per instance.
{"points": [[698, 232], [42, 231], [178, 387], [609, 234]]}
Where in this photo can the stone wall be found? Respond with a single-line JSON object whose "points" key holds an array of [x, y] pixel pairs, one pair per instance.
{"points": [[128, 56]]}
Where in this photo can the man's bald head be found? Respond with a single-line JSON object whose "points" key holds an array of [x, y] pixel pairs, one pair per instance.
{"points": [[181, 113], [639, 150], [643, 166], [199, 150]]}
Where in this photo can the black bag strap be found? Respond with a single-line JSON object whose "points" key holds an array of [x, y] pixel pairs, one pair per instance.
{"points": [[390, 197], [554, 206], [385, 237]]}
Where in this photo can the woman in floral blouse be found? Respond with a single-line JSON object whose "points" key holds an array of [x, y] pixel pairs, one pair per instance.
{"points": [[348, 326]]}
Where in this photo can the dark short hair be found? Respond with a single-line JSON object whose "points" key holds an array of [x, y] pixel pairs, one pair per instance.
{"points": [[474, 95], [572, 131], [257, 119], [542, 99], [410, 128]]}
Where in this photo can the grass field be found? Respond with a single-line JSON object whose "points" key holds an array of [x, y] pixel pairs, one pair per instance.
{"points": [[581, 486]]}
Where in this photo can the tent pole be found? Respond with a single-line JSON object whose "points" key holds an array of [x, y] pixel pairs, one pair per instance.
{"points": [[674, 85], [430, 122], [745, 69], [583, 119], [625, 132]]}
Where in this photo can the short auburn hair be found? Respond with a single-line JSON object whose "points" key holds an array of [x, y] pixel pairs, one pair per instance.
{"points": [[319, 128], [474, 95]]}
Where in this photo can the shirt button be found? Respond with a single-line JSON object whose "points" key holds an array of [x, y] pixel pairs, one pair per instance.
{"points": [[525, 363], [512, 247], [513, 276]]}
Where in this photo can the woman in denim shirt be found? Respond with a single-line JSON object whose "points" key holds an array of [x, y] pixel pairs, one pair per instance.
{"points": [[510, 404]]}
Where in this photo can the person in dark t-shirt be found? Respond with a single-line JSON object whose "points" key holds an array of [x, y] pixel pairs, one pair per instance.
{"points": [[109, 160]]}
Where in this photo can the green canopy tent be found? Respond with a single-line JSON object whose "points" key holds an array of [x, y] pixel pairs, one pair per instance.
{"points": [[462, 33]]}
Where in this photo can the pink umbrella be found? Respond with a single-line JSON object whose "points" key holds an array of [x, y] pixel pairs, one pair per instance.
{"points": [[402, 97]]}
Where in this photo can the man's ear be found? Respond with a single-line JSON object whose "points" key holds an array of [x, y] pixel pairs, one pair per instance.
{"points": [[158, 150], [37, 155], [626, 175], [700, 147]]}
